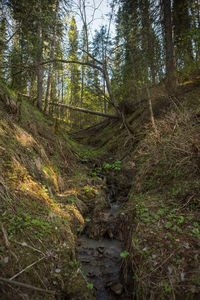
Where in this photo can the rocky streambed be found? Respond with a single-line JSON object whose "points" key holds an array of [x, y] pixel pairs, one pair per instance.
{"points": [[99, 248]]}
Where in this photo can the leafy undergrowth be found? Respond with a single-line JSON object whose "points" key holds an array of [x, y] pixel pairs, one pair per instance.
{"points": [[43, 198], [163, 209]]}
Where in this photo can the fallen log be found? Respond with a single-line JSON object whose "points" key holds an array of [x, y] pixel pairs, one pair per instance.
{"points": [[86, 111]]}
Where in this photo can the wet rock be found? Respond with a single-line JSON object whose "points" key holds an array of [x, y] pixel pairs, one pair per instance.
{"points": [[110, 234], [85, 260], [101, 250], [117, 288]]}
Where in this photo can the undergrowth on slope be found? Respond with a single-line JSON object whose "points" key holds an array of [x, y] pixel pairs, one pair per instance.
{"points": [[164, 202], [39, 221]]}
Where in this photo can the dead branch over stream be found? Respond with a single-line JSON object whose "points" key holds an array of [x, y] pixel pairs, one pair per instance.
{"points": [[86, 110]]}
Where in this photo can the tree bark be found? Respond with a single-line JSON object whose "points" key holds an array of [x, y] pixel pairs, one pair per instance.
{"points": [[48, 90], [40, 66], [169, 47]]}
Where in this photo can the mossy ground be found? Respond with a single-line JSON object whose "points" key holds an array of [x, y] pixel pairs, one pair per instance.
{"points": [[41, 182]]}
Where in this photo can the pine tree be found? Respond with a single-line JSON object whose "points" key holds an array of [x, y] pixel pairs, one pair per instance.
{"points": [[169, 45], [74, 68], [182, 33]]}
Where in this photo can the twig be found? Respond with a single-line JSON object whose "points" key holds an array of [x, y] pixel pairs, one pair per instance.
{"points": [[25, 245], [174, 298], [159, 265], [189, 199], [28, 286], [28, 267], [5, 236], [151, 112]]}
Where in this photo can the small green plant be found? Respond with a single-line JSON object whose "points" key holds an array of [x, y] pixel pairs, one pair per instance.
{"points": [[88, 189], [167, 288], [116, 166], [195, 231], [90, 286], [180, 219], [124, 254], [87, 220]]}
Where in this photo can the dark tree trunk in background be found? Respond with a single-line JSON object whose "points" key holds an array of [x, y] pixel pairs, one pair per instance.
{"points": [[182, 32], [49, 80], [40, 71], [169, 46]]}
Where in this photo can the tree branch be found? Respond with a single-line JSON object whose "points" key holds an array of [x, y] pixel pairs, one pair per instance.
{"points": [[28, 286]]}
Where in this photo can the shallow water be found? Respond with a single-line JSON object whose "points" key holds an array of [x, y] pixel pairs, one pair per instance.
{"points": [[100, 261]]}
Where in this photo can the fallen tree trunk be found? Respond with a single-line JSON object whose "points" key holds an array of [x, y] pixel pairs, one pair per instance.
{"points": [[86, 111]]}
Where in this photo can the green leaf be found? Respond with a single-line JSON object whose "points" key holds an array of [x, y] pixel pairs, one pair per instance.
{"points": [[87, 220], [90, 286], [124, 254]]}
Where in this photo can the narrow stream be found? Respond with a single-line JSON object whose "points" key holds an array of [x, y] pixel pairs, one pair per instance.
{"points": [[100, 259]]}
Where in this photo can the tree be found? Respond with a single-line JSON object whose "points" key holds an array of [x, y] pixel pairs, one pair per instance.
{"points": [[182, 33], [2, 40], [52, 54], [74, 69], [169, 45]]}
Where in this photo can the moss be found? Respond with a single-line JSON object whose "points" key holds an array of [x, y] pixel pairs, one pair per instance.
{"points": [[35, 225]]}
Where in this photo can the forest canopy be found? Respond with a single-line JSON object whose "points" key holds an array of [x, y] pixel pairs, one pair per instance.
{"points": [[43, 54]]}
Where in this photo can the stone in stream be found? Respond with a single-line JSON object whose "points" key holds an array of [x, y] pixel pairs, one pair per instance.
{"points": [[117, 288], [110, 234], [101, 250]]}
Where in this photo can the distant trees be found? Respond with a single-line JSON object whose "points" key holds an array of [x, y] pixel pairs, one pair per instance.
{"points": [[43, 54], [33, 28], [155, 40]]}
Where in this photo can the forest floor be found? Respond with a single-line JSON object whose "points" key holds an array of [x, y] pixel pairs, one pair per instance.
{"points": [[137, 194]]}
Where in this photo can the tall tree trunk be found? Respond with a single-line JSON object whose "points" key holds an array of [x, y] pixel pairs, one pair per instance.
{"points": [[104, 97], [82, 93], [182, 32], [39, 61], [52, 53], [169, 47]]}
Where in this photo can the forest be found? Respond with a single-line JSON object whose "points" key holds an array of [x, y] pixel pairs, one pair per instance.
{"points": [[99, 149]]}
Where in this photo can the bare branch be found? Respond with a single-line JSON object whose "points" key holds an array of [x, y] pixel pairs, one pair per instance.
{"points": [[27, 267], [28, 286], [91, 56]]}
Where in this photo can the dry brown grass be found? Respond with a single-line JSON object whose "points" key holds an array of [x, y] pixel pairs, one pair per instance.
{"points": [[163, 244]]}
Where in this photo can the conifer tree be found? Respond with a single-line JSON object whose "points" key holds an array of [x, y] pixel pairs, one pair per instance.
{"points": [[74, 68]]}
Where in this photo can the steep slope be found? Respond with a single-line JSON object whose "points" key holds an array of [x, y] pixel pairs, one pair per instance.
{"points": [[160, 217], [53, 188], [40, 185]]}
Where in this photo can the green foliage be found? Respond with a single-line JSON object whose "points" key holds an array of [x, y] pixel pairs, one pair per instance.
{"points": [[17, 223], [90, 286], [124, 254], [116, 166], [167, 287], [87, 220]]}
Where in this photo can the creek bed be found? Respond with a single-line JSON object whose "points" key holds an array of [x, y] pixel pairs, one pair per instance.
{"points": [[99, 254], [100, 261]]}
